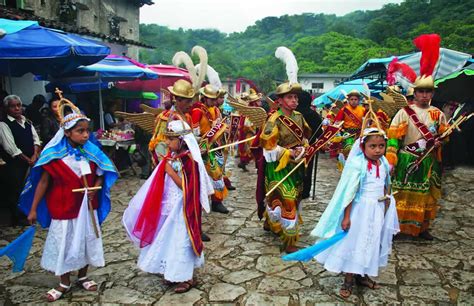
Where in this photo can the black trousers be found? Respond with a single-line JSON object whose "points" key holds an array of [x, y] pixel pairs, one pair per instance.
{"points": [[12, 181]]}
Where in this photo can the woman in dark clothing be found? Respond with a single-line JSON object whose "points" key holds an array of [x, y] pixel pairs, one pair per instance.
{"points": [[50, 122], [32, 111], [314, 121]]}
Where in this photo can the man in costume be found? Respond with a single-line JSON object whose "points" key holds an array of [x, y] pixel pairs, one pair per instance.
{"points": [[414, 130], [283, 140], [207, 124], [352, 114], [182, 93]]}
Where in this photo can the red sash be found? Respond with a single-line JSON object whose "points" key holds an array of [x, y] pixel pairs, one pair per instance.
{"points": [[352, 116], [422, 128], [213, 135], [234, 126], [322, 140], [293, 127]]}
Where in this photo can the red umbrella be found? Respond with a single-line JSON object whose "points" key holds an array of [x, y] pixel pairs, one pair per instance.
{"points": [[167, 75]]}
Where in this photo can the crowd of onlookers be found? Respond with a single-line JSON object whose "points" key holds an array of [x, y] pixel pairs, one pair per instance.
{"points": [[22, 131]]}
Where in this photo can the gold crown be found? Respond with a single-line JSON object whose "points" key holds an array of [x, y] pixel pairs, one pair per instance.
{"points": [[425, 82], [209, 92], [63, 103], [182, 88], [170, 133], [286, 88]]}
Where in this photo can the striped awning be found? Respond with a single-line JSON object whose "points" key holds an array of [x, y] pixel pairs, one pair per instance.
{"points": [[449, 62]]}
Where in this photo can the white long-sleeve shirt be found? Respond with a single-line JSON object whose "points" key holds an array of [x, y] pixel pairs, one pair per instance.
{"points": [[8, 142]]}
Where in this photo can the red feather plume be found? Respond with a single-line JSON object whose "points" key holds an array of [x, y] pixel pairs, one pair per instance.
{"points": [[394, 67], [249, 82], [428, 44]]}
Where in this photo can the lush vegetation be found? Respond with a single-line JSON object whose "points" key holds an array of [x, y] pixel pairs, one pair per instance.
{"points": [[321, 43]]}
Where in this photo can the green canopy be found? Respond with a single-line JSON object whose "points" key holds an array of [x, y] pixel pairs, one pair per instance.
{"points": [[125, 94], [455, 75], [456, 87]]}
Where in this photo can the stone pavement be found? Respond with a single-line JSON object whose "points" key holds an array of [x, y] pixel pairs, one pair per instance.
{"points": [[243, 264]]}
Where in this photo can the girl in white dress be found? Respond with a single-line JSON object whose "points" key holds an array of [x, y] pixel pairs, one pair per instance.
{"points": [[70, 161], [164, 217], [362, 206]]}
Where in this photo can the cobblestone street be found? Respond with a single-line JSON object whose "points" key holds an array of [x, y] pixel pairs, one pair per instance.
{"points": [[243, 264]]}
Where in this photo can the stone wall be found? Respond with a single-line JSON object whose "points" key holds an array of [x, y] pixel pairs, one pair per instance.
{"points": [[96, 15]]}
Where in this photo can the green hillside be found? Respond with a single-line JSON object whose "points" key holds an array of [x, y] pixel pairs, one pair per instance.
{"points": [[321, 43]]}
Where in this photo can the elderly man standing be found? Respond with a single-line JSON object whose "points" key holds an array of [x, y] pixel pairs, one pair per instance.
{"points": [[20, 147]]}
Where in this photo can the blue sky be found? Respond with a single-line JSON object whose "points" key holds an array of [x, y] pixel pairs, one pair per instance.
{"points": [[235, 16]]}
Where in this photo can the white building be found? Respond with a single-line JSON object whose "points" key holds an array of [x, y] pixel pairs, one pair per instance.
{"points": [[318, 83]]}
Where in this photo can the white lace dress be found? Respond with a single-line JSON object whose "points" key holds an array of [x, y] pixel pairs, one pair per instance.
{"points": [[171, 253], [71, 244], [369, 240]]}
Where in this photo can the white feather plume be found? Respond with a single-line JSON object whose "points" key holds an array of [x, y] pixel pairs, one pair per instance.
{"points": [[212, 76], [366, 88], [182, 57], [202, 54], [286, 56]]}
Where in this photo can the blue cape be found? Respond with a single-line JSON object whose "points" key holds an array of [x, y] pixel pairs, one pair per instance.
{"points": [[347, 190], [92, 153]]}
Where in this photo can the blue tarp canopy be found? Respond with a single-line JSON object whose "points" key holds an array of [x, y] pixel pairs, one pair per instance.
{"points": [[337, 92], [113, 68], [74, 88], [28, 47], [449, 61]]}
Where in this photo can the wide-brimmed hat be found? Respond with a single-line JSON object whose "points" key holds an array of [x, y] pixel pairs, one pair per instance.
{"points": [[209, 91], [222, 92], [287, 88], [410, 92], [354, 92], [424, 82], [183, 89]]}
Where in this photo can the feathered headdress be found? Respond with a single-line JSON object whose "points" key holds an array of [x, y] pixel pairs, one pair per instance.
{"points": [[429, 45], [287, 57], [212, 76], [182, 57]]}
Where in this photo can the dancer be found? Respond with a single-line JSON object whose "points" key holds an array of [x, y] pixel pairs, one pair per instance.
{"points": [[283, 140], [164, 217], [363, 206], [68, 190]]}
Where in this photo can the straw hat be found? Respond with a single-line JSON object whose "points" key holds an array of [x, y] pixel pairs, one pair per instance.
{"points": [[354, 92], [183, 89], [287, 88], [424, 82], [209, 92]]}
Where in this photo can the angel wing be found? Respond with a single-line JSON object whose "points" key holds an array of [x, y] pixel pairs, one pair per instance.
{"points": [[271, 103], [257, 115], [395, 97], [151, 110], [339, 104], [146, 121], [388, 107]]}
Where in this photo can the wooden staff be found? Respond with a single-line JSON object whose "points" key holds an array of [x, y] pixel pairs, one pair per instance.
{"points": [[89, 203], [233, 144]]}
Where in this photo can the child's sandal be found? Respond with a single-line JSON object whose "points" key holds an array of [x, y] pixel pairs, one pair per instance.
{"points": [[184, 286], [366, 281], [54, 294], [346, 289], [87, 285]]}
